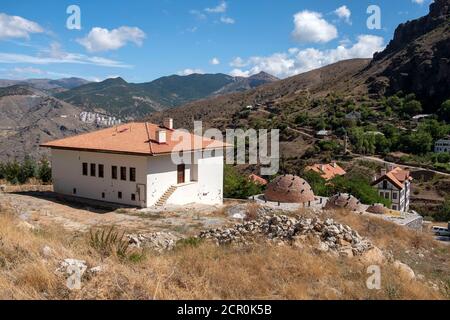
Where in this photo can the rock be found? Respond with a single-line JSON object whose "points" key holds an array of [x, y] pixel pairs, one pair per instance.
{"points": [[159, 241], [2, 188], [79, 264], [404, 269], [47, 251], [322, 247], [97, 270], [329, 235], [346, 252]]}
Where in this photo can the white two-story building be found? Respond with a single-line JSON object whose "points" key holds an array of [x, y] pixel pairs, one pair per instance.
{"points": [[133, 164], [395, 186], [442, 145]]}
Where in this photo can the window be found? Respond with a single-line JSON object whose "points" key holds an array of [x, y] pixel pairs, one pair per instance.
{"points": [[394, 207], [74, 190], [133, 174], [133, 197], [103, 195], [386, 195], [114, 172], [119, 195], [123, 173], [101, 171], [394, 195], [93, 166], [385, 185], [85, 169]]}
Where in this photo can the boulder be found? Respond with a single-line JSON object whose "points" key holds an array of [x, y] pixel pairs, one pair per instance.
{"points": [[404, 270]]}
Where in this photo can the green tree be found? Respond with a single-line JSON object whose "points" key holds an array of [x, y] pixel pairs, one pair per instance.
{"points": [[44, 171], [412, 108], [444, 111], [27, 170], [238, 186]]}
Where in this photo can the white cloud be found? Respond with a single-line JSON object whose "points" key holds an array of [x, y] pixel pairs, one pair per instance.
{"points": [[199, 15], [29, 70], [309, 26], [418, 1], [100, 39], [188, 71], [17, 27], [238, 62], [298, 61], [227, 20], [239, 73], [343, 13], [221, 8], [214, 61], [55, 55]]}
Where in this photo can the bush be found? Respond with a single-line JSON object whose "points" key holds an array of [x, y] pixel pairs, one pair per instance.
{"points": [[44, 171], [108, 242], [443, 213], [19, 173], [237, 186]]}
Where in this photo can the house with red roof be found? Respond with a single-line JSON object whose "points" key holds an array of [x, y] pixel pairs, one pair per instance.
{"points": [[395, 185], [257, 179], [327, 171], [139, 164]]}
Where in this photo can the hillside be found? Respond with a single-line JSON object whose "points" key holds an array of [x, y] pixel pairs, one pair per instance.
{"points": [[117, 97], [29, 117], [47, 85], [343, 77], [35, 257], [417, 59]]}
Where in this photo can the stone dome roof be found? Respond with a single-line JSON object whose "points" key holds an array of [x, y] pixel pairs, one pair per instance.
{"points": [[343, 201], [377, 208], [289, 189]]}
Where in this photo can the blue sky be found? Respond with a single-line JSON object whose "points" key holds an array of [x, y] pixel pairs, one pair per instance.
{"points": [[143, 40]]}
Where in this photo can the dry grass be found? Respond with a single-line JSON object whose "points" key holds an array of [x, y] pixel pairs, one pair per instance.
{"points": [[190, 272]]}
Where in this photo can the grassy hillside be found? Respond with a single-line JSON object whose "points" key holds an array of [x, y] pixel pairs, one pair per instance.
{"points": [[204, 271]]}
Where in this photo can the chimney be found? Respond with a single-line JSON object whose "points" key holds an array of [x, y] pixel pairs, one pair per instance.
{"points": [[161, 136], [334, 164], [168, 123], [383, 172]]}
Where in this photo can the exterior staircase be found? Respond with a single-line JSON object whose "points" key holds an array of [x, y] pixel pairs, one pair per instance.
{"points": [[163, 199]]}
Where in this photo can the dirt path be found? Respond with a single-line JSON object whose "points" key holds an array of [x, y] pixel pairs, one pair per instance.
{"points": [[45, 209], [359, 157]]}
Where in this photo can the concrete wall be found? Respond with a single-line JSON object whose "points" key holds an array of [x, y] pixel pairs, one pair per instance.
{"points": [[67, 176]]}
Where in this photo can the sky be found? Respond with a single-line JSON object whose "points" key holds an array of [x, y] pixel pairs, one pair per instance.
{"points": [[144, 40]]}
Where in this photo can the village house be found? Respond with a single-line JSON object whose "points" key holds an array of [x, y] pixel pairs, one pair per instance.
{"points": [[353, 115], [132, 164], [442, 145], [395, 185], [327, 171]]}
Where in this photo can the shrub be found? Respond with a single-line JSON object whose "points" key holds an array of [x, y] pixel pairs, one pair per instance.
{"points": [[44, 171], [238, 186], [108, 242]]}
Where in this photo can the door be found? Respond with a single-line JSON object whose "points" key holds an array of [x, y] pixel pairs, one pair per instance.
{"points": [[180, 173], [142, 194]]}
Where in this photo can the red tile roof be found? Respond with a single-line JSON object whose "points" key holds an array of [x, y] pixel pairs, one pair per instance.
{"points": [[397, 177], [257, 179], [135, 138], [327, 171]]}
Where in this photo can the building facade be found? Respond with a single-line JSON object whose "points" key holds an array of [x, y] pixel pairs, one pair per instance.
{"points": [[395, 186], [133, 165], [442, 145]]}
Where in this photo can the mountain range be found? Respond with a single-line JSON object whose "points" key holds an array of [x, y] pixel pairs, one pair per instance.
{"points": [[130, 100]]}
